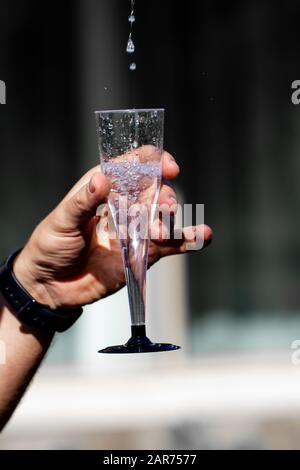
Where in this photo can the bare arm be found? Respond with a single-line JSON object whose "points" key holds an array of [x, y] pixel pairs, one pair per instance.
{"points": [[24, 349]]}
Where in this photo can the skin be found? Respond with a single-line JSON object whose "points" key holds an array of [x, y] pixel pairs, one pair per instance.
{"points": [[66, 263]]}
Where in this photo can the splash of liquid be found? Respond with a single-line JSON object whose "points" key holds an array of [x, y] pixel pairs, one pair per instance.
{"points": [[130, 48]]}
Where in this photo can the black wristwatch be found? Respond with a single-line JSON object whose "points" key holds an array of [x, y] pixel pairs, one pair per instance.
{"points": [[26, 308]]}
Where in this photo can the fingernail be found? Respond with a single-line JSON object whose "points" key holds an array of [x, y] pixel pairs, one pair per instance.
{"points": [[92, 187]]}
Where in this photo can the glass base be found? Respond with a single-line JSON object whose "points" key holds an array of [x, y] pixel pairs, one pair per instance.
{"points": [[139, 343]]}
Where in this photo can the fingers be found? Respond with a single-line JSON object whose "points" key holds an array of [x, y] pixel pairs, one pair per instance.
{"points": [[170, 169], [81, 206], [167, 196], [80, 203], [147, 153], [187, 239]]}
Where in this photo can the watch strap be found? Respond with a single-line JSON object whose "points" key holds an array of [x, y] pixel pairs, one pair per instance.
{"points": [[26, 308]]}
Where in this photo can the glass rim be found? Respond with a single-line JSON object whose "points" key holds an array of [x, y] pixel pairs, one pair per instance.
{"points": [[142, 110]]}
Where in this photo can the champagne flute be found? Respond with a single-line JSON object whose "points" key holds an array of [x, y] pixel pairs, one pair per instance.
{"points": [[131, 147]]}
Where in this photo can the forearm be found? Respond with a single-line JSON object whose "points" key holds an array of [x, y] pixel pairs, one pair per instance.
{"points": [[24, 350]]}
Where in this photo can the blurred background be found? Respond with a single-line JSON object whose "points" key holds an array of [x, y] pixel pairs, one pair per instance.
{"points": [[223, 72]]}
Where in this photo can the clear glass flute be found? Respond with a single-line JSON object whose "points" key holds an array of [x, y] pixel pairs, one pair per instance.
{"points": [[131, 147]]}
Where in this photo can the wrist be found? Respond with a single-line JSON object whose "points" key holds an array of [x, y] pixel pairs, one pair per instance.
{"points": [[25, 307], [13, 324], [25, 273]]}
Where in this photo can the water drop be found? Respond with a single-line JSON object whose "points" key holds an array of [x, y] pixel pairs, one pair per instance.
{"points": [[131, 19], [110, 126], [132, 66], [130, 46], [135, 144]]}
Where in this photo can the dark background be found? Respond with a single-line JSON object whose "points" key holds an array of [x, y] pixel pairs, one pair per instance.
{"points": [[223, 71]]}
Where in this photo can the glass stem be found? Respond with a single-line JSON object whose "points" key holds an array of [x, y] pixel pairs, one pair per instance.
{"points": [[135, 257]]}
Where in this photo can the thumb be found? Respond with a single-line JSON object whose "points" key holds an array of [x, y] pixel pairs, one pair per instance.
{"points": [[82, 205]]}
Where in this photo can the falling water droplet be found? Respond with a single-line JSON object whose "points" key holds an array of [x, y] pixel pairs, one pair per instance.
{"points": [[110, 126], [135, 144], [130, 46]]}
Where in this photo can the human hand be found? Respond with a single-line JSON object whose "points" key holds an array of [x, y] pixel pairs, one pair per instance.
{"points": [[65, 264]]}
